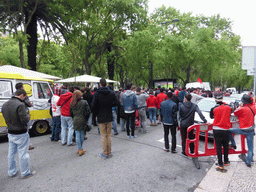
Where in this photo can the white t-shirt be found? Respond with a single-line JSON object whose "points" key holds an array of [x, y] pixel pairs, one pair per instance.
{"points": [[55, 108]]}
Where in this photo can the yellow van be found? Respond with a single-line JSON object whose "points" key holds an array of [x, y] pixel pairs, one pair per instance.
{"points": [[39, 92]]}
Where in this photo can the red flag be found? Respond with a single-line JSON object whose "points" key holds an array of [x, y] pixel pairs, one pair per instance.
{"points": [[199, 80]]}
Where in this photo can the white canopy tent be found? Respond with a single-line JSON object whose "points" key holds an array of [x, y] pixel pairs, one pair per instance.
{"points": [[26, 72], [84, 78]]}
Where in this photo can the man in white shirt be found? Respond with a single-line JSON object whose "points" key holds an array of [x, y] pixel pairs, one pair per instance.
{"points": [[56, 122]]}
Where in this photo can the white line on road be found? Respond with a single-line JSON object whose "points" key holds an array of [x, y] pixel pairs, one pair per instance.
{"points": [[162, 141]]}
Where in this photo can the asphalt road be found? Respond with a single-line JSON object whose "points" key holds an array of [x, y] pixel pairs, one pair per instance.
{"points": [[138, 164]]}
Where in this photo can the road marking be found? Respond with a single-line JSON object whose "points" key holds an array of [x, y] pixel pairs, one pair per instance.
{"points": [[162, 141], [232, 157]]}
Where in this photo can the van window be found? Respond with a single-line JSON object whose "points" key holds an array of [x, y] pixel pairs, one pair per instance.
{"points": [[5, 89], [28, 89], [42, 91]]}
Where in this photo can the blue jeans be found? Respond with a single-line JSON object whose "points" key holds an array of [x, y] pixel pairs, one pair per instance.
{"points": [[55, 128], [114, 124], [18, 143], [249, 137], [79, 139], [122, 124], [152, 115], [66, 123]]}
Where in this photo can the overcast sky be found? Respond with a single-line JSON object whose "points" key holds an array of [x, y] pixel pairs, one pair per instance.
{"points": [[242, 13]]}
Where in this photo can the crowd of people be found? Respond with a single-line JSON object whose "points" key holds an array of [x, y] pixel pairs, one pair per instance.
{"points": [[75, 110]]}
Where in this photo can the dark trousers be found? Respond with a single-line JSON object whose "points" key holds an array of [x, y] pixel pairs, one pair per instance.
{"points": [[221, 139], [191, 135], [118, 115], [166, 136], [94, 122], [56, 128], [130, 118]]}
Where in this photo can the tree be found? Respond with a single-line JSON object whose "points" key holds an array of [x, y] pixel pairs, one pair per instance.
{"points": [[100, 27], [197, 47], [9, 51], [26, 14], [139, 53]]}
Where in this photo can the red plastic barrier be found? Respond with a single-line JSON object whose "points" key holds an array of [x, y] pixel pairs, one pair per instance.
{"points": [[137, 119], [209, 151]]}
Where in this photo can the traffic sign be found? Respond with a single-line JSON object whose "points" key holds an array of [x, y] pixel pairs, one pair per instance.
{"points": [[249, 72], [248, 57]]}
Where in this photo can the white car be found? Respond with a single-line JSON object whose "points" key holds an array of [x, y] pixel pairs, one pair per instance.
{"points": [[205, 106]]}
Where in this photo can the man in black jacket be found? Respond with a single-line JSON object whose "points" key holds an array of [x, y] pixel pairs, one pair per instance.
{"points": [[16, 118], [187, 111], [103, 101], [27, 105]]}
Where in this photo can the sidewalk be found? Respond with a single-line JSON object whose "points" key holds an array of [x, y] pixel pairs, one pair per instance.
{"points": [[239, 177]]}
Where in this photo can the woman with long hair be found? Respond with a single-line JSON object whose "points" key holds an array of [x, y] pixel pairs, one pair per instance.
{"points": [[80, 112]]}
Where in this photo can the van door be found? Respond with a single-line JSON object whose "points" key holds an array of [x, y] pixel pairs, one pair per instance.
{"points": [[6, 92], [40, 110], [41, 95]]}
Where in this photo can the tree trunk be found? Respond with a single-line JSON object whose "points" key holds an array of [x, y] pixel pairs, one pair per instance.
{"points": [[32, 40], [21, 55], [88, 67], [188, 74], [110, 62]]}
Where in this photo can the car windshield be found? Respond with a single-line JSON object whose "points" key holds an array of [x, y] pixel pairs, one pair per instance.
{"points": [[206, 105], [236, 96]]}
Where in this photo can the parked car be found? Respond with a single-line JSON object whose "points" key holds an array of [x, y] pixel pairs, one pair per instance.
{"points": [[205, 106]]}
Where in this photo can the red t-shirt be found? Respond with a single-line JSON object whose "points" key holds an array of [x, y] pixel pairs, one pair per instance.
{"points": [[222, 116], [160, 98], [245, 115]]}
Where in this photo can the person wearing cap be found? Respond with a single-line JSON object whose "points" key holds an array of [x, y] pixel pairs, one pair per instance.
{"points": [[251, 95], [245, 114], [221, 124]]}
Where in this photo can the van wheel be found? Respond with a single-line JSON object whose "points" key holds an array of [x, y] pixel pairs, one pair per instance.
{"points": [[40, 128]]}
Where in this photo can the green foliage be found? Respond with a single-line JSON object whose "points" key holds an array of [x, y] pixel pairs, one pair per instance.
{"points": [[117, 36], [55, 59], [9, 51]]}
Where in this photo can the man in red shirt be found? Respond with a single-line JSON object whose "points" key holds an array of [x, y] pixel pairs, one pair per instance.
{"points": [[221, 124], [245, 114], [159, 99], [66, 120]]}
